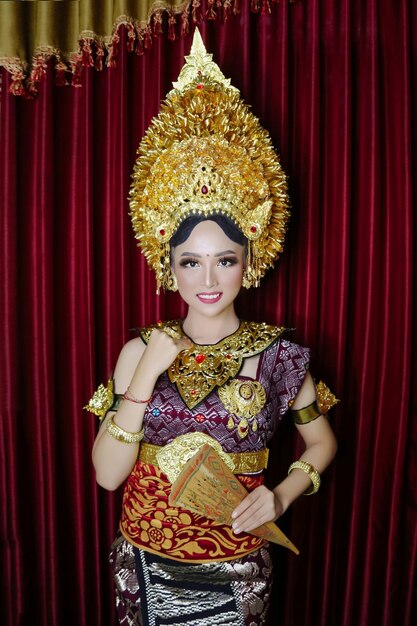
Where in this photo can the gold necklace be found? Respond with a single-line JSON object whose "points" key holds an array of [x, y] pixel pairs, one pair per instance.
{"points": [[196, 372]]}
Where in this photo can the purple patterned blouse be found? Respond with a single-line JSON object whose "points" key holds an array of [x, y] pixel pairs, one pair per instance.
{"points": [[281, 371]]}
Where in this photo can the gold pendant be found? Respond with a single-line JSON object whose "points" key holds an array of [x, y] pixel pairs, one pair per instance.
{"points": [[243, 427], [244, 398]]}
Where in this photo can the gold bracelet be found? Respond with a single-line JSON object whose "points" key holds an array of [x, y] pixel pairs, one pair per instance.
{"points": [[313, 475], [123, 435]]}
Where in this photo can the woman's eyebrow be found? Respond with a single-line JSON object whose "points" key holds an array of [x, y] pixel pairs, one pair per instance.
{"points": [[225, 252], [200, 256]]}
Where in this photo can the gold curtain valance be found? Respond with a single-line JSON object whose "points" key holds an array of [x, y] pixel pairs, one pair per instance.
{"points": [[77, 33]]}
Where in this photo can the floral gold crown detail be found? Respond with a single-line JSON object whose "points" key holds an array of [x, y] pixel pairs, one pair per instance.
{"points": [[206, 154]]}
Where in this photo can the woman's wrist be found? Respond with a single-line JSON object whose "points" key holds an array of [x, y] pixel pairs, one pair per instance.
{"points": [[282, 498], [142, 384], [291, 488], [130, 397]]}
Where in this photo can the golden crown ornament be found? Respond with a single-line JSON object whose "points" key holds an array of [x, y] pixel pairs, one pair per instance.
{"points": [[205, 153]]}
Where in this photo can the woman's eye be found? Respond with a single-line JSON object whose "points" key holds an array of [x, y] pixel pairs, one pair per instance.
{"points": [[189, 263], [227, 261]]}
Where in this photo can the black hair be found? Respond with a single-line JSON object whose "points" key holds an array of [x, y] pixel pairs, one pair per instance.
{"points": [[187, 226]]}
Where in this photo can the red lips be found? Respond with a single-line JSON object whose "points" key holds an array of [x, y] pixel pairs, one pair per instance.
{"points": [[209, 298]]}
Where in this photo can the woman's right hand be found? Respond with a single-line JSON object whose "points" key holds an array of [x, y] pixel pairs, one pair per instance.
{"points": [[160, 352]]}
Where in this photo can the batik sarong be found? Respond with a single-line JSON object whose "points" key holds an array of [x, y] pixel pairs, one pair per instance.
{"points": [[154, 591]]}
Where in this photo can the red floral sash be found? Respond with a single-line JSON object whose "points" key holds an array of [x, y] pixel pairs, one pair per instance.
{"points": [[149, 523]]}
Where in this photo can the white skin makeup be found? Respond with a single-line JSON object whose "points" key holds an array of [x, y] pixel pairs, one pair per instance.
{"points": [[209, 268]]}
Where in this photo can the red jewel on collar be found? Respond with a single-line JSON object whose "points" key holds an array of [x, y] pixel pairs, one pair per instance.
{"points": [[199, 358]]}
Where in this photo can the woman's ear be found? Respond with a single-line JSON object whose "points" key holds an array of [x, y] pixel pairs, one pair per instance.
{"points": [[172, 267], [174, 281]]}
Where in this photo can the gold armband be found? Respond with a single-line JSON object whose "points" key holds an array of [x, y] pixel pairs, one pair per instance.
{"points": [[305, 415], [325, 401], [118, 399]]}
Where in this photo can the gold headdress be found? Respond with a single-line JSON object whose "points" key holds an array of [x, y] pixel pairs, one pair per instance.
{"points": [[204, 154]]}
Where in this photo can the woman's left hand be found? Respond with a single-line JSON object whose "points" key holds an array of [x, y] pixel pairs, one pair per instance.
{"points": [[260, 506]]}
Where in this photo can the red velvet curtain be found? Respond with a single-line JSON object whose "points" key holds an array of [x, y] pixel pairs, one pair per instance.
{"points": [[334, 81]]}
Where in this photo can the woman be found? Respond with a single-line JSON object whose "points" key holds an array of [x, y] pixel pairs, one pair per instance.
{"points": [[209, 207]]}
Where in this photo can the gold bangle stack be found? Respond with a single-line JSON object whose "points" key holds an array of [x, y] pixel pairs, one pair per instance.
{"points": [[123, 435], [313, 475]]}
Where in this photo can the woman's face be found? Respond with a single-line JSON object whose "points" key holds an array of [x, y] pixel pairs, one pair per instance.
{"points": [[209, 268]]}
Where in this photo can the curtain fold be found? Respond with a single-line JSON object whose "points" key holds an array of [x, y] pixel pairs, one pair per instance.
{"points": [[27, 26], [333, 82], [77, 33]]}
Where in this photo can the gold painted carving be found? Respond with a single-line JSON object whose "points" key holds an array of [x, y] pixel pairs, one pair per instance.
{"points": [[102, 399], [172, 457], [325, 398]]}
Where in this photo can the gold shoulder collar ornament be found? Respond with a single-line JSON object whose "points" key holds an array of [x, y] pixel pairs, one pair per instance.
{"points": [[205, 153], [199, 370]]}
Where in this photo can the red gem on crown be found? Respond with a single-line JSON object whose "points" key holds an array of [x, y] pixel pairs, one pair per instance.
{"points": [[228, 356], [193, 392], [200, 86], [253, 229], [200, 358], [162, 232], [204, 189]]}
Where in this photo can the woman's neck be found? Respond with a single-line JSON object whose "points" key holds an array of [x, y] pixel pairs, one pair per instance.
{"points": [[206, 330]]}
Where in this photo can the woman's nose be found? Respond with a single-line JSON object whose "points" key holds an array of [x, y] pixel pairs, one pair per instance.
{"points": [[209, 278]]}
